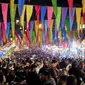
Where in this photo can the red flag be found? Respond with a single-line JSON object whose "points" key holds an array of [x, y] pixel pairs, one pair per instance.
{"points": [[70, 3], [37, 8]]}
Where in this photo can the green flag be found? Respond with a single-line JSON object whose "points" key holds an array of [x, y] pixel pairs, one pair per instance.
{"points": [[54, 3], [58, 17], [67, 26]]}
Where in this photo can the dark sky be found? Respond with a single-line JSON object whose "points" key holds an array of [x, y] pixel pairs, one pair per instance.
{"points": [[77, 3]]}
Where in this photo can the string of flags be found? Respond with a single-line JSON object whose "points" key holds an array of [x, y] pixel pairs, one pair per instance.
{"points": [[41, 31]]}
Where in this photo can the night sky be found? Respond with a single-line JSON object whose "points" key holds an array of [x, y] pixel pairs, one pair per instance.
{"points": [[62, 3]]}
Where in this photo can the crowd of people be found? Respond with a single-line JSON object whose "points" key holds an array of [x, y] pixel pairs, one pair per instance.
{"points": [[33, 68]]}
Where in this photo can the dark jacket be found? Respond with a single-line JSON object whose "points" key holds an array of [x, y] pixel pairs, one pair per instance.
{"points": [[33, 79]]}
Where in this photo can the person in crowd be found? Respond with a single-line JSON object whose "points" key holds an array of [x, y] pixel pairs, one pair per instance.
{"points": [[32, 77], [54, 71], [49, 80], [71, 80], [76, 72]]}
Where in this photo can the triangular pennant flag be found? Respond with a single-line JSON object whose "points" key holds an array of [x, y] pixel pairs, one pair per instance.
{"points": [[50, 31], [67, 26], [12, 13], [8, 30], [43, 11], [54, 3], [23, 23], [4, 34], [36, 28], [4, 13], [21, 4], [71, 17], [49, 15], [37, 8], [70, 3], [31, 27], [64, 13], [78, 17], [58, 17], [83, 4], [33, 36], [29, 11], [46, 26], [1, 42]]}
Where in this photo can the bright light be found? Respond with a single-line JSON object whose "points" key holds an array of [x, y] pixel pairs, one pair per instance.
{"points": [[17, 20], [74, 44]]}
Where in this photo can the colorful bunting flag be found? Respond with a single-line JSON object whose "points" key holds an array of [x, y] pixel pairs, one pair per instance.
{"points": [[54, 3], [43, 11], [70, 3], [49, 15], [8, 30], [71, 18], [78, 17], [64, 13], [31, 27], [58, 17], [4, 13], [23, 23], [50, 30], [21, 4], [29, 11], [37, 8], [12, 13]]}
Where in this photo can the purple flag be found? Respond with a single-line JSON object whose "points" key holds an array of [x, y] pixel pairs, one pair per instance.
{"points": [[64, 13]]}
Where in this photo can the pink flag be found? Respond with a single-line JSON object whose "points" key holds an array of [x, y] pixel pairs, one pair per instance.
{"points": [[4, 13], [3, 30], [37, 8], [49, 14], [70, 3]]}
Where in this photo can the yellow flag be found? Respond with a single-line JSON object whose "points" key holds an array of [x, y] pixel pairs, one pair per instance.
{"points": [[83, 4], [50, 31], [22, 23], [36, 27], [78, 17], [60, 35], [29, 11], [12, 12]]}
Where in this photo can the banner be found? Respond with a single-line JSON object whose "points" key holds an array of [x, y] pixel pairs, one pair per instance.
{"points": [[4, 13], [78, 17], [70, 3], [37, 8], [58, 17], [43, 12], [21, 4], [29, 11], [64, 13], [71, 18], [8, 30], [49, 15], [12, 14], [54, 3]]}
